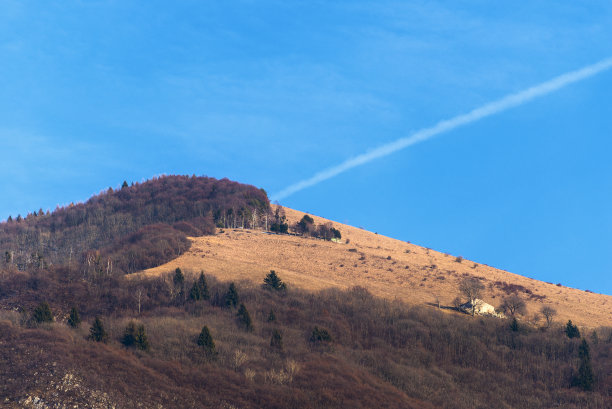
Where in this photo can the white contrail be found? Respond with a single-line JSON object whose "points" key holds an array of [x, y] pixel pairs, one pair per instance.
{"points": [[484, 111]]}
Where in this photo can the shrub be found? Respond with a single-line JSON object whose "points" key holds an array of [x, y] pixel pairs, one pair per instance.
{"points": [[141, 339], [129, 335], [514, 325], [42, 313], [74, 320], [205, 340], [276, 340], [244, 318], [319, 335], [337, 234], [97, 332]]}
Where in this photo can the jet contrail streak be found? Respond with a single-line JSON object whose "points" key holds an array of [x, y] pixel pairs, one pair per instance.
{"points": [[446, 125]]}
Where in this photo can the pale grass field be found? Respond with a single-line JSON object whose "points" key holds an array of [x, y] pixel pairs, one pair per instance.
{"points": [[387, 267]]}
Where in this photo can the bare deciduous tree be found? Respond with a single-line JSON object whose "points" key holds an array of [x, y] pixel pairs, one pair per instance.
{"points": [[139, 293], [471, 288], [549, 314], [514, 305]]}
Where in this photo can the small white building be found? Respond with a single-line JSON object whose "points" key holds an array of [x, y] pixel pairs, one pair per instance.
{"points": [[481, 308]]}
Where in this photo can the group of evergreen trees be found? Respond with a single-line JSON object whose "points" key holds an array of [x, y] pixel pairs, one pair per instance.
{"points": [[305, 227]]}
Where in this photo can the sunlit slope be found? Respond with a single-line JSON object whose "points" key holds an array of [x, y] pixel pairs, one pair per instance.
{"points": [[387, 267]]}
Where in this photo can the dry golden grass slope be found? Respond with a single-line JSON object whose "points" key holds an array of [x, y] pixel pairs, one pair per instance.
{"points": [[387, 267]]}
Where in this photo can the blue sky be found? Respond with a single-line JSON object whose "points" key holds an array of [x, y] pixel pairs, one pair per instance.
{"points": [[272, 92]]}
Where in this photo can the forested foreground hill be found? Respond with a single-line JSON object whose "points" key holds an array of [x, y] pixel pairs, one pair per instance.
{"points": [[76, 330], [243, 346]]}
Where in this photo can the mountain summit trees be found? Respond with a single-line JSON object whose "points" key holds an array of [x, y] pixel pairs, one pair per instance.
{"points": [[135, 227]]}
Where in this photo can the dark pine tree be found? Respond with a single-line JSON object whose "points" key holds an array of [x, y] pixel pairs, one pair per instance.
{"points": [[129, 335], [276, 341], [585, 378], [206, 342], [194, 293], [74, 320], [203, 285], [273, 282], [514, 325], [231, 297], [178, 278], [141, 340], [572, 330], [124, 185], [319, 335], [42, 313], [97, 332], [271, 316], [244, 318]]}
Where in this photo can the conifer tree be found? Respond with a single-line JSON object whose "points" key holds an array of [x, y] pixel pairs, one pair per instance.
{"points": [[231, 297], [273, 282], [206, 342], [178, 278], [514, 325], [319, 335], [42, 313], [141, 340], [245, 318], [572, 330], [97, 331], [129, 335], [203, 285], [124, 185], [271, 316], [585, 378], [194, 293], [74, 320], [276, 341]]}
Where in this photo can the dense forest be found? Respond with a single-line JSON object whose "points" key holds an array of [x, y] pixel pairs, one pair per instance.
{"points": [[132, 228]]}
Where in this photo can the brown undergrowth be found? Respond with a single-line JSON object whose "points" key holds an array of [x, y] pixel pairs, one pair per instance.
{"points": [[381, 354]]}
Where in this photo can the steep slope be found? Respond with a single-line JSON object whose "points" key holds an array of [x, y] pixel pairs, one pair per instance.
{"points": [[387, 267]]}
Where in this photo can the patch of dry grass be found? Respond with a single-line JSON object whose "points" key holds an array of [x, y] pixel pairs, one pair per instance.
{"points": [[387, 267]]}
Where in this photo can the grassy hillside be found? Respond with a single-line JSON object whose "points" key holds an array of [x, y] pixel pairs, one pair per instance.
{"points": [[387, 267]]}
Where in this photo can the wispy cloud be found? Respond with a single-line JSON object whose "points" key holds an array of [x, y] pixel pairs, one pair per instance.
{"points": [[447, 125]]}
